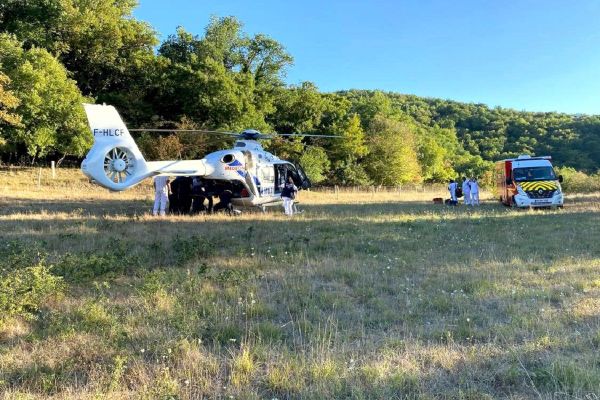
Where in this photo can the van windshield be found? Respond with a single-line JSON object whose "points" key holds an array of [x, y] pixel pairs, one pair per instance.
{"points": [[534, 174]]}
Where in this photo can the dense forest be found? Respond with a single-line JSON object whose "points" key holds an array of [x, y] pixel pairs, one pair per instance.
{"points": [[57, 54]]}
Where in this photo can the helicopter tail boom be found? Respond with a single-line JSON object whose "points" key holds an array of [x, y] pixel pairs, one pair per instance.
{"points": [[115, 161]]}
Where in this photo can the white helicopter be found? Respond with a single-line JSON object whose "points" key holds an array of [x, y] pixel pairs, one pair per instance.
{"points": [[254, 176]]}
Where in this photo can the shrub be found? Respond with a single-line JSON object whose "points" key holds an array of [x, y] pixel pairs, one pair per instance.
{"points": [[87, 266], [194, 247], [15, 254], [23, 291], [577, 181]]}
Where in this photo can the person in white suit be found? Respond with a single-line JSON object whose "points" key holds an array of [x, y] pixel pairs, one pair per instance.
{"points": [[452, 189], [466, 190], [474, 192], [161, 194]]}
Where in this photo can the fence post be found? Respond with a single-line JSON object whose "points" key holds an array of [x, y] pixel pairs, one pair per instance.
{"points": [[53, 165], [39, 177]]}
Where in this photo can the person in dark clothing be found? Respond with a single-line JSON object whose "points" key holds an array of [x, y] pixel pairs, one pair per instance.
{"points": [[174, 196], [288, 194], [198, 196], [224, 202], [184, 198]]}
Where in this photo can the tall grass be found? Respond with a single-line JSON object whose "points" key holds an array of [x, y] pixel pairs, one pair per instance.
{"points": [[364, 295]]}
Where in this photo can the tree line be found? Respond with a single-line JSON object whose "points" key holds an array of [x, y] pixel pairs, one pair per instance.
{"points": [[57, 54]]}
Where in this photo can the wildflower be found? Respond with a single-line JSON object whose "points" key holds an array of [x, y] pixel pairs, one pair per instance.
{"points": [[142, 351]]}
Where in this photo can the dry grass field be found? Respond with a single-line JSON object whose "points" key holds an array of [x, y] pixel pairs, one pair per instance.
{"points": [[364, 295]]}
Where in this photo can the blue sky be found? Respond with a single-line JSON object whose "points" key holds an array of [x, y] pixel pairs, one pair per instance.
{"points": [[530, 55]]}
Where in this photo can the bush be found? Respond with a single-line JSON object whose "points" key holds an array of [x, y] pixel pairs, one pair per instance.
{"points": [[192, 248], [23, 291], [579, 182], [88, 266]]}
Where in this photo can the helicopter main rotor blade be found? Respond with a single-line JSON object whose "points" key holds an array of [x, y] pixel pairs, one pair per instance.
{"points": [[259, 136], [185, 131], [307, 135]]}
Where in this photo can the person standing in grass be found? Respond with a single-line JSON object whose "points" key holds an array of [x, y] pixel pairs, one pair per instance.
{"points": [[161, 192], [474, 192], [288, 194], [466, 190], [452, 189]]}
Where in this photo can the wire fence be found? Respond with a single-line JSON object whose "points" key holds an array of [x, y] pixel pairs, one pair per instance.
{"points": [[411, 188]]}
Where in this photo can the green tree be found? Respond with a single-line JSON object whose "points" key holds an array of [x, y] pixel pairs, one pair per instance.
{"points": [[50, 102], [437, 151], [287, 148], [8, 103], [347, 151], [369, 104], [351, 145], [298, 109], [392, 158], [97, 41], [348, 172], [315, 163], [225, 79]]}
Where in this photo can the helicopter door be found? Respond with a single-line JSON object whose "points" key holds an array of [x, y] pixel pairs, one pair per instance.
{"points": [[280, 176], [283, 171], [303, 181]]}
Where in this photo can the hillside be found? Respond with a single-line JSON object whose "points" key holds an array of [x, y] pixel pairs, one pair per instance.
{"points": [[54, 56]]}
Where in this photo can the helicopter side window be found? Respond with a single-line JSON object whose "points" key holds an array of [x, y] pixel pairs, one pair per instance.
{"points": [[266, 177]]}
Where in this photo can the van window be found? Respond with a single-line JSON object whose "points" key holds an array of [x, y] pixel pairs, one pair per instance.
{"points": [[534, 174]]}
